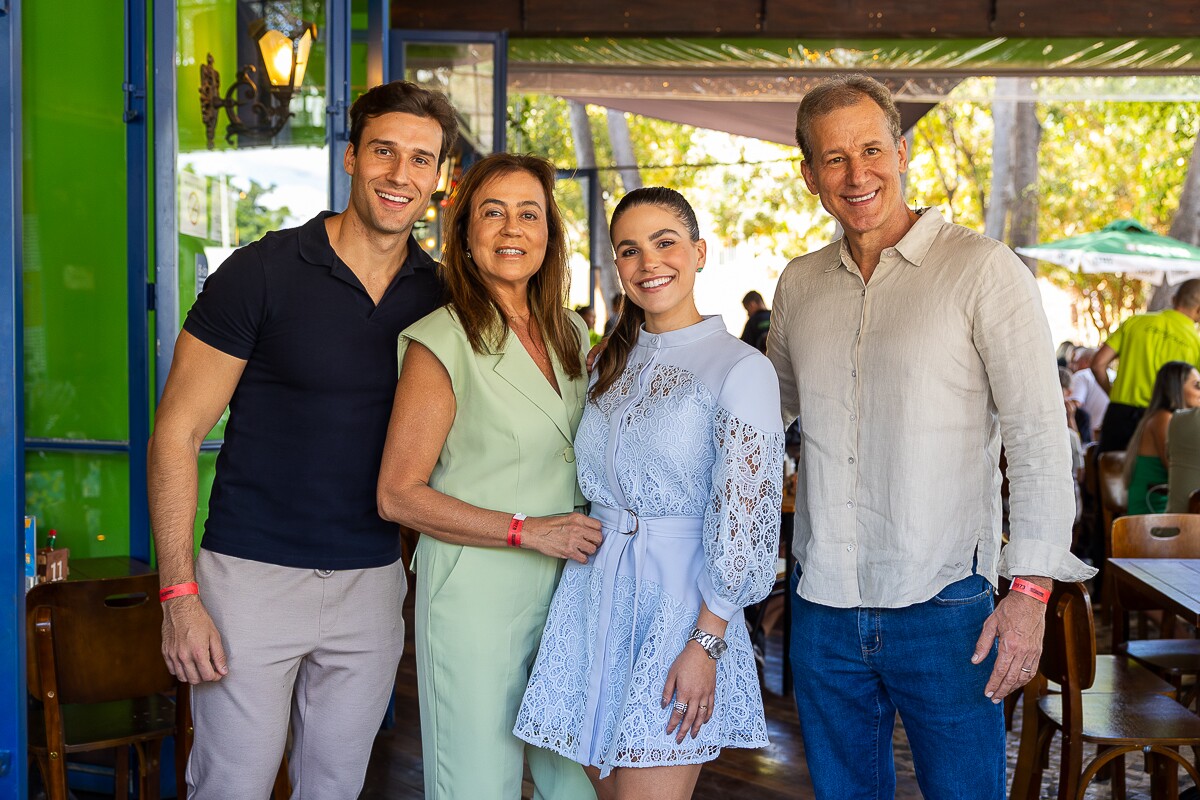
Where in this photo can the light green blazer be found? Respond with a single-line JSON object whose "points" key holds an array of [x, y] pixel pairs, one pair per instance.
{"points": [[511, 447]]}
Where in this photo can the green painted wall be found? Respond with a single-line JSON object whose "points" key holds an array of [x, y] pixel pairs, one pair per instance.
{"points": [[74, 270]]}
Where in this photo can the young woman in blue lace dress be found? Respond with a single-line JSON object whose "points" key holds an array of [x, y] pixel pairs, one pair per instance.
{"points": [[645, 670]]}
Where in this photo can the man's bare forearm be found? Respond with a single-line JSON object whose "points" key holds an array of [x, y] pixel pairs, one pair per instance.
{"points": [[173, 477]]}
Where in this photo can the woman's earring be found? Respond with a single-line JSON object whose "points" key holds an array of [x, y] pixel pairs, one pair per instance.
{"points": [[468, 255], [699, 270]]}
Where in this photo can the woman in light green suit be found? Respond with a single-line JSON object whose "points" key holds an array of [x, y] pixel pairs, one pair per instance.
{"points": [[479, 459]]}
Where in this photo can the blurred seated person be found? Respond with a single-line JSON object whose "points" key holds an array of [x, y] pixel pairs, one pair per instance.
{"points": [[1078, 419], [1064, 353], [588, 314], [1183, 459], [1075, 424], [1085, 391], [1176, 387]]}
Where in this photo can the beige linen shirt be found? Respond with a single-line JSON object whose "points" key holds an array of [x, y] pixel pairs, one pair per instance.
{"points": [[904, 387]]}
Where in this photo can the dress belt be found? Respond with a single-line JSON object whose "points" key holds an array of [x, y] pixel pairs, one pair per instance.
{"points": [[633, 530]]}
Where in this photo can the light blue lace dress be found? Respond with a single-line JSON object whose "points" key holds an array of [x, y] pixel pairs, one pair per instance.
{"points": [[682, 462]]}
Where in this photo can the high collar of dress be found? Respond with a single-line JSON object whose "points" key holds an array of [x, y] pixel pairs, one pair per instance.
{"points": [[677, 338]]}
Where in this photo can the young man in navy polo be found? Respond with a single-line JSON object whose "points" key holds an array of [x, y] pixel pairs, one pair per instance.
{"points": [[292, 609]]}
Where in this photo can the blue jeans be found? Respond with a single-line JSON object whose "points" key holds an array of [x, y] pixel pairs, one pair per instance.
{"points": [[854, 668]]}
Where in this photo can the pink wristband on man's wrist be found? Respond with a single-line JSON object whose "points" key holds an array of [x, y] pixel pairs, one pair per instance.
{"points": [[178, 590], [1022, 586]]}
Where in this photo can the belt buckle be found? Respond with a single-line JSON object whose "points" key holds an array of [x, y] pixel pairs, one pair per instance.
{"points": [[636, 522]]}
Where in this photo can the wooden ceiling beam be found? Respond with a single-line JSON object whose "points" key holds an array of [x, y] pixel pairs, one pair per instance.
{"points": [[857, 19]]}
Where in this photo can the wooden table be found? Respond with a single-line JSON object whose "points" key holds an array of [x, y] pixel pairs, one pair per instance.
{"points": [[91, 569], [1172, 583]]}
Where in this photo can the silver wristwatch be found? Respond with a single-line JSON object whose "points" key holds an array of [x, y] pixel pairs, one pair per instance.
{"points": [[713, 645]]}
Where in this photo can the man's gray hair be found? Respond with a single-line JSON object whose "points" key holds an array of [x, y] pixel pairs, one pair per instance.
{"points": [[842, 91]]}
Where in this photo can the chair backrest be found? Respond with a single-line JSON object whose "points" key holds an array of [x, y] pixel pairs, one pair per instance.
{"points": [[1194, 502], [107, 639], [1069, 641], [1114, 494], [1156, 536]]}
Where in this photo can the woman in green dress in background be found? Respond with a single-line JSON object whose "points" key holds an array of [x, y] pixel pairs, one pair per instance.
{"points": [[479, 459], [1176, 387]]}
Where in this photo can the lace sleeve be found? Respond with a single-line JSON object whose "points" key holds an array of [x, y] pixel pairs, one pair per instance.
{"points": [[741, 523]]}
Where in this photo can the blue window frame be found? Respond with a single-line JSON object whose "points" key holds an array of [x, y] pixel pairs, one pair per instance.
{"points": [[13, 769], [499, 42]]}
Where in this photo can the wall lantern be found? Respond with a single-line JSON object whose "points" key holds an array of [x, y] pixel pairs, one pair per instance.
{"points": [[285, 58]]}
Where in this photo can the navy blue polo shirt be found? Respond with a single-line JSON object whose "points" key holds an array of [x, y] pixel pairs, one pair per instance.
{"points": [[295, 482]]}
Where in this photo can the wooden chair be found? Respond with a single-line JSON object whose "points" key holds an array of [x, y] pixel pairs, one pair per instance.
{"points": [[1118, 722], [1157, 536], [95, 667], [1194, 502]]}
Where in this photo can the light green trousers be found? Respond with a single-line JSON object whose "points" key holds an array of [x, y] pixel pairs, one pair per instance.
{"points": [[479, 618]]}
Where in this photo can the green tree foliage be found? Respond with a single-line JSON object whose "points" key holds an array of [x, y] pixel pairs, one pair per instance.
{"points": [[1098, 161], [949, 163], [255, 220], [540, 124], [1106, 161]]}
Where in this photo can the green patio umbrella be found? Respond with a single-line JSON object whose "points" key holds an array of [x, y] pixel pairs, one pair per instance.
{"points": [[1125, 246]]}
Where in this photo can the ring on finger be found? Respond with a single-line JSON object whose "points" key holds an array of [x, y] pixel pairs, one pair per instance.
{"points": [[704, 708], [1027, 670], [681, 708]]}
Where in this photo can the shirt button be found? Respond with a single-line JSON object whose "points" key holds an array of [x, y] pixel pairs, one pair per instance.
{"points": [[864, 293], [853, 417], [853, 373], [857, 331], [324, 573], [849, 504], [851, 459], [849, 548]]}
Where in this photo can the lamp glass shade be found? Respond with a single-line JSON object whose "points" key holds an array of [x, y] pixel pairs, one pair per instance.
{"points": [[303, 45], [277, 55]]}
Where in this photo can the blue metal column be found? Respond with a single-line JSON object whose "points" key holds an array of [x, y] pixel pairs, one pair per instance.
{"points": [[139, 290], [13, 771], [500, 93], [337, 53], [166, 153]]}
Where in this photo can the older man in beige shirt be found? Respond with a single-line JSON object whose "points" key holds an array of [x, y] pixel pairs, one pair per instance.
{"points": [[908, 350]]}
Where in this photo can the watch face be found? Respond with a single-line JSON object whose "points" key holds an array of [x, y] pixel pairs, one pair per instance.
{"points": [[718, 648]]}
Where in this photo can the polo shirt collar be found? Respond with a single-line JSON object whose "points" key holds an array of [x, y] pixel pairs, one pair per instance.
{"points": [[316, 249], [915, 245]]}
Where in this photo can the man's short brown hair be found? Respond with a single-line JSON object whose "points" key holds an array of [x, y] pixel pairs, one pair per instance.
{"points": [[406, 98]]}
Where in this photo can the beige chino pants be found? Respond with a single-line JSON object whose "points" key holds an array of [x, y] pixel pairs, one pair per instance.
{"points": [[318, 647]]}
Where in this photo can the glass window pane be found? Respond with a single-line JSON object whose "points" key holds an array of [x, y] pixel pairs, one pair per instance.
{"points": [[245, 183], [75, 223], [465, 73], [84, 496]]}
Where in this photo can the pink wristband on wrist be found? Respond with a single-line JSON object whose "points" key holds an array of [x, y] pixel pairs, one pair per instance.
{"points": [[178, 590], [1032, 589]]}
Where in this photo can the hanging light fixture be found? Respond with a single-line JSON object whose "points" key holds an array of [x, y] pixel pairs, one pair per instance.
{"points": [[286, 60]]}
